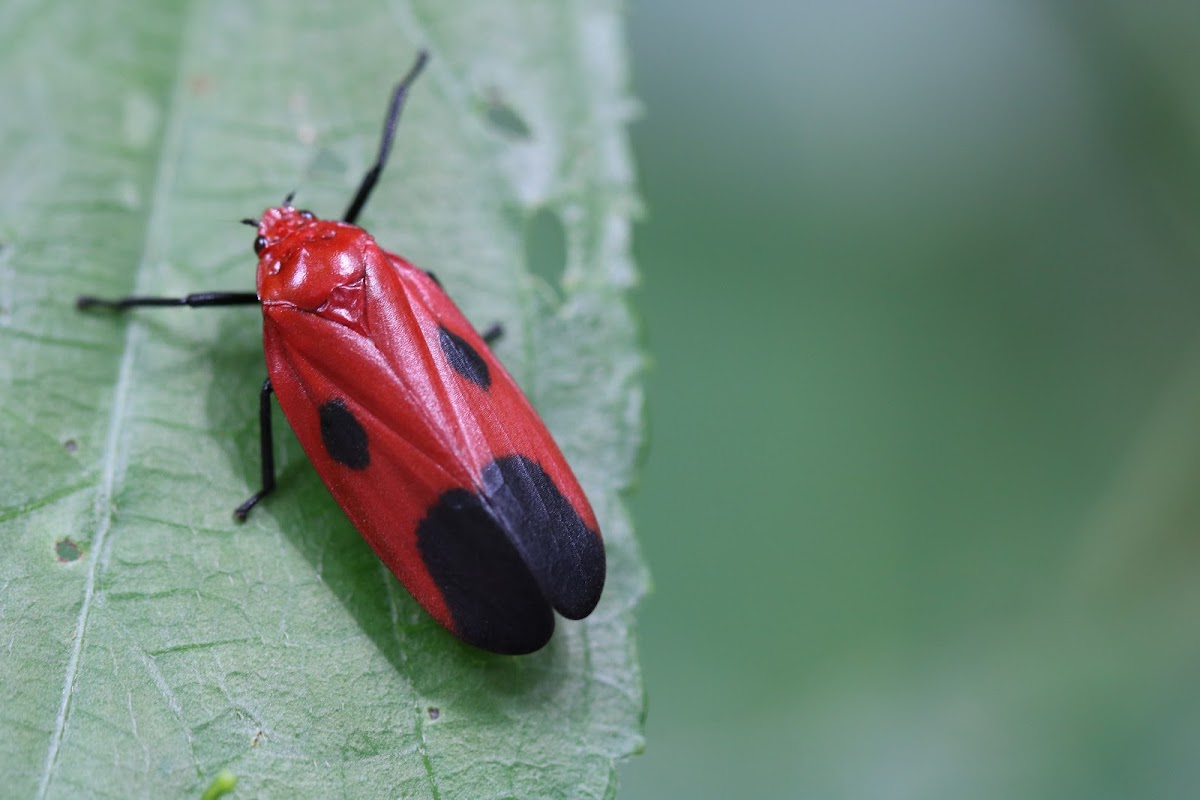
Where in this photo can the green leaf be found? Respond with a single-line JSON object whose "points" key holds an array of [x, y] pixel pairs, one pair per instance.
{"points": [[148, 642]]}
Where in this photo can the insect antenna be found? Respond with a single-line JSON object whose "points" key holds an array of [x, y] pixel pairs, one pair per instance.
{"points": [[385, 144]]}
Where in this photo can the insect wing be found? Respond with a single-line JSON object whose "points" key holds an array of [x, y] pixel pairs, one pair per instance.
{"points": [[436, 456]]}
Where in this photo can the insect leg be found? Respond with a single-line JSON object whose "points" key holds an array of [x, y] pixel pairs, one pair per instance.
{"points": [[493, 334], [197, 300], [267, 447]]}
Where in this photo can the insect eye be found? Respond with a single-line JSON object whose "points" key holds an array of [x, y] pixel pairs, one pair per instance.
{"points": [[260, 244], [306, 214]]}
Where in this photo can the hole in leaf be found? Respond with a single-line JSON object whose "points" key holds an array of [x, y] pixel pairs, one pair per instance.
{"points": [[67, 551], [71, 445], [504, 118], [434, 712], [546, 246]]}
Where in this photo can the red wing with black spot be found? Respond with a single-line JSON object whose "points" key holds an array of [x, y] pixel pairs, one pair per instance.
{"points": [[424, 439]]}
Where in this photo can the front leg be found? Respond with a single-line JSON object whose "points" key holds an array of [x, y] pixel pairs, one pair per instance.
{"points": [[198, 300]]}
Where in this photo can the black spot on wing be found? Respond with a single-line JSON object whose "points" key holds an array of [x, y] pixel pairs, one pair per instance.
{"points": [[563, 554], [343, 435], [496, 603], [464, 358]]}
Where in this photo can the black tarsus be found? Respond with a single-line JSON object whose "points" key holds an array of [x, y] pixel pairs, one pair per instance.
{"points": [[266, 445], [385, 143], [492, 334], [197, 300]]}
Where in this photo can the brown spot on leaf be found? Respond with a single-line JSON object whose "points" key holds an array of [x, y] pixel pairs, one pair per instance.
{"points": [[66, 550], [200, 84]]}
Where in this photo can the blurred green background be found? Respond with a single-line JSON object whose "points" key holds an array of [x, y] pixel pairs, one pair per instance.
{"points": [[920, 285]]}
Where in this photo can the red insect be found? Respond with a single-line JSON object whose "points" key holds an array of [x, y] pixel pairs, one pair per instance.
{"points": [[420, 434]]}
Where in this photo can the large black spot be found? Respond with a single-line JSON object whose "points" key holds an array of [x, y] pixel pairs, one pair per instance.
{"points": [[495, 601], [464, 358], [504, 556], [343, 435], [563, 554]]}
